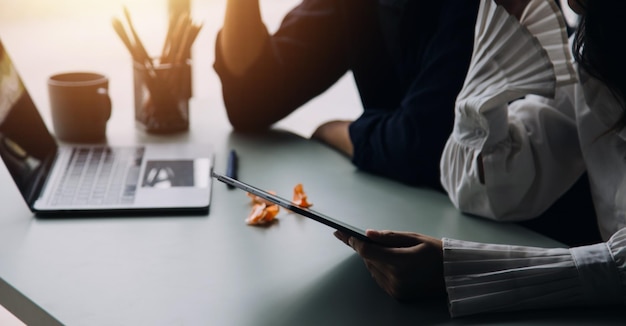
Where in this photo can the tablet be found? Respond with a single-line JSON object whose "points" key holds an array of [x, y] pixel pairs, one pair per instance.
{"points": [[327, 220]]}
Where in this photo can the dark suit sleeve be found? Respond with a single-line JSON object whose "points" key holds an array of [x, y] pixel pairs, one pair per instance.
{"points": [[406, 143], [301, 60]]}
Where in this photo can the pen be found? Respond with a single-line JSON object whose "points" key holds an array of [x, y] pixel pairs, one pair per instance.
{"points": [[231, 170]]}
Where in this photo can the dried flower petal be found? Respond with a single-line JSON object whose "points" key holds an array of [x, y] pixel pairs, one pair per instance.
{"points": [[300, 197]]}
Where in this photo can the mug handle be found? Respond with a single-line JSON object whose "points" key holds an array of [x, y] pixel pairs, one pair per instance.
{"points": [[106, 103]]}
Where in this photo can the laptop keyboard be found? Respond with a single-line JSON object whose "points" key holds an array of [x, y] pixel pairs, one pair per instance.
{"points": [[100, 176]]}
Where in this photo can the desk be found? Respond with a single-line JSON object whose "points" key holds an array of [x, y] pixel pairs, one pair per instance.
{"points": [[216, 270]]}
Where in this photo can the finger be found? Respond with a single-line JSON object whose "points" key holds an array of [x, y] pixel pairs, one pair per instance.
{"points": [[367, 250], [383, 277], [343, 237], [377, 272], [388, 254], [372, 251]]}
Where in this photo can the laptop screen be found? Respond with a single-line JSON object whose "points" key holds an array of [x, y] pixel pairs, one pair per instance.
{"points": [[26, 146]]}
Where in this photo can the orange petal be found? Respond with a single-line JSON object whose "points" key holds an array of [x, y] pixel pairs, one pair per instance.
{"points": [[271, 212], [257, 213], [257, 200], [262, 214], [300, 197]]}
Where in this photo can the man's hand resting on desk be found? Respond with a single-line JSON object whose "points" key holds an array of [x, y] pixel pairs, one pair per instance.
{"points": [[335, 134], [409, 266]]}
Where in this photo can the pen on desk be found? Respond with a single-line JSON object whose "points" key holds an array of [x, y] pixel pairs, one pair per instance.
{"points": [[231, 170]]}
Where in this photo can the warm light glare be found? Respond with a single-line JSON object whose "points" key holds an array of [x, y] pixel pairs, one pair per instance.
{"points": [[38, 9], [83, 28]]}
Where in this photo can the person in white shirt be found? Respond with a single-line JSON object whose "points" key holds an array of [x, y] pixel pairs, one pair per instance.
{"points": [[511, 155]]}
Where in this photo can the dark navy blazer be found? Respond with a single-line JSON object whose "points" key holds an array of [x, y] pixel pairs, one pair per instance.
{"points": [[408, 58]]}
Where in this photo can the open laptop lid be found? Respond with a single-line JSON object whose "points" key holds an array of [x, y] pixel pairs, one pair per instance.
{"points": [[26, 146], [32, 155]]}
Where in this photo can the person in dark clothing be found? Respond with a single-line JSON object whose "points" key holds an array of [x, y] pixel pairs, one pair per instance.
{"points": [[408, 59]]}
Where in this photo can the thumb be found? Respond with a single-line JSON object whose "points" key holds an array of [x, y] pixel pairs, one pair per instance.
{"points": [[393, 238]]}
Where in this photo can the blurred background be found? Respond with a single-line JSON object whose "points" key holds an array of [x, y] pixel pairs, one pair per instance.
{"points": [[48, 36]]}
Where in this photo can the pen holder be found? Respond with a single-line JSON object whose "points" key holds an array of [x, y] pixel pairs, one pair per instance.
{"points": [[162, 93]]}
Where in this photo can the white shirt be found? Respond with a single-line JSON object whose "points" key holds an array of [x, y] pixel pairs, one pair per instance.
{"points": [[534, 150]]}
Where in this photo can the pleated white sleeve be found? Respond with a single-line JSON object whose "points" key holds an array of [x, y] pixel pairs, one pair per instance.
{"points": [[484, 278], [529, 152], [510, 159]]}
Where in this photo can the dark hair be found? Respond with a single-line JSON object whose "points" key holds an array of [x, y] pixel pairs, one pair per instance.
{"points": [[597, 45]]}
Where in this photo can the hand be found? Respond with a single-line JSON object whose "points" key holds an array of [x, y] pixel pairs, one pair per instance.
{"points": [[408, 267], [335, 134]]}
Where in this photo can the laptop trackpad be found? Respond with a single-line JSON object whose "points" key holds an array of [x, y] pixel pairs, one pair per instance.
{"points": [[176, 173]]}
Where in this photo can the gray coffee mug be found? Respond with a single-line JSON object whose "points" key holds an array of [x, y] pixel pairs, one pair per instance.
{"points": [[80, 106]]}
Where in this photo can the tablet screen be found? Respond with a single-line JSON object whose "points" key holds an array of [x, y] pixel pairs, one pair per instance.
{"points": [[317, 216]]}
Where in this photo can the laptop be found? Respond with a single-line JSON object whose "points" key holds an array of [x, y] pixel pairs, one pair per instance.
{"points": [[57, 179]]}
